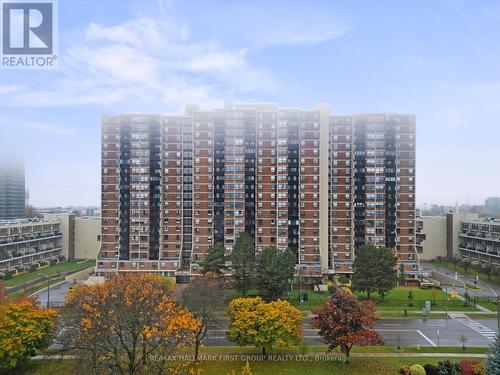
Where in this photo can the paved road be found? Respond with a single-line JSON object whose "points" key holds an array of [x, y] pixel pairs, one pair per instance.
{"points": [[469, 279], [409, 332], [57, 294]]}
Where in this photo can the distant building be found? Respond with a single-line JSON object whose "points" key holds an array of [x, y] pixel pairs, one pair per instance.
{"points": [[29, 243], [431, 237], [492, 204], [81, 235], [479, 240], [439, 236], [12, 189]]}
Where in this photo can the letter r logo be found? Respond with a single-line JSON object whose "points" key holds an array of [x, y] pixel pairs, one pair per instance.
{"points": [[27, 28]]}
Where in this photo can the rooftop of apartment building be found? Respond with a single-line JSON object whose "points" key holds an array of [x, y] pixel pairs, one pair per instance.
{"points": [[24, 222]]}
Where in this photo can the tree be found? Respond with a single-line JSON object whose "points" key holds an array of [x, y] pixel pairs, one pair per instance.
{"points": [[129, 324], [264, 325], [463, 340], [204, 297], [215, 260], [243, 263], [274, 271], [24, 329], [410, 297], [434, 294], [492, 363], [343, 322], [374, 270], [466, 264]]}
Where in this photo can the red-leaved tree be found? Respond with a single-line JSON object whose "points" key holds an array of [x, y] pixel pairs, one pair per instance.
{"points": [[343, 322]]}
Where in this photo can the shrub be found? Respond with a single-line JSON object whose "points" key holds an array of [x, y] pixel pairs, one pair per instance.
{"points": [[404, 369], [410, 298], [431, 370], [447, 367], [467, 367], [343, 279], [417, 370], [479, 369]]}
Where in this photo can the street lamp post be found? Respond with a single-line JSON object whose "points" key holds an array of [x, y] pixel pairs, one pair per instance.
{"points": [[48, 287]]}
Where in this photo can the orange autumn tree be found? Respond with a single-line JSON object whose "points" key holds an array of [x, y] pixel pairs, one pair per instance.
{"points": [[24, 329], [126, 325], [264, 325]]}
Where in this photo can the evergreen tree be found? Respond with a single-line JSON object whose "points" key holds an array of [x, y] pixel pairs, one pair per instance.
{"points": [[492, 363], [374, 270], [275, 269], [215, 260], [243, 263]]}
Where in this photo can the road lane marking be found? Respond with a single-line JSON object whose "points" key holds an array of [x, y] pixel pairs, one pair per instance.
{"points": [[483, 330], [426, 338]]}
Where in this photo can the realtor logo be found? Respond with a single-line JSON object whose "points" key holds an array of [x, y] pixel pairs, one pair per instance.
{"points": [[28, 34]]}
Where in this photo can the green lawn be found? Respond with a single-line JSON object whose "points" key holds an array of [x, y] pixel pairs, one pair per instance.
{"points": [[397, 299], [483, 316], [316, 366], [314, 299], [25, 292], [310, 366], [58, 268], [488, 303]]}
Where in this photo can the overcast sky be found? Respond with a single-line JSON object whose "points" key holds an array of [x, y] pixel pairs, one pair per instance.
{"points": [[439, 60]]}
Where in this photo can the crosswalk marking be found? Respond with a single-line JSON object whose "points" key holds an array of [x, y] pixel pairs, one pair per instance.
{"points": [[483, 330]]}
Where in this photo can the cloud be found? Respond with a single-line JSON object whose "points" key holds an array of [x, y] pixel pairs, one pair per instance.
{"points": [[144, 64], [29, 125], [267, 24], [304, 30], [159, 63], [9, 89]]}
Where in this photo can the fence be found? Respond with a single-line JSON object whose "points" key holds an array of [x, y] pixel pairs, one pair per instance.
{"points": [[435, 303]]}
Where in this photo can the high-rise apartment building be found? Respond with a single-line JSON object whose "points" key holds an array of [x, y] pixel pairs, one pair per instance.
{"points": [[172, 186], [372, 187], [12, 189]]}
